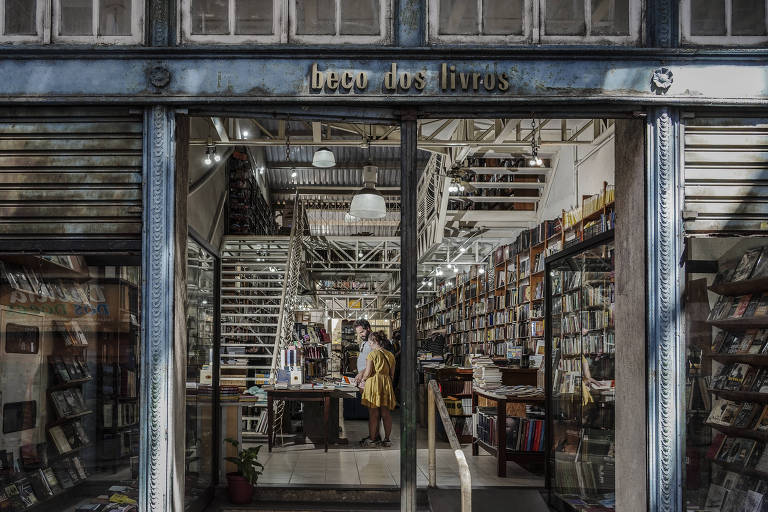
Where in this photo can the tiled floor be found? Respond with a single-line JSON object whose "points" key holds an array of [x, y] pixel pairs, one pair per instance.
{"points": [[352, 465]]}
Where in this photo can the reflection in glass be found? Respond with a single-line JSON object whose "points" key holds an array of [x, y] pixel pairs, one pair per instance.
{"points": [[360, 17], [20, 17], [747, 18], [502, 17], [708, 18], [210, 17], [115, 17], [315, 17], [69, 379], [200, 339], [583, 374], [253, 17], [565, 18], [76, 18], [458, 17], [610, 17]]}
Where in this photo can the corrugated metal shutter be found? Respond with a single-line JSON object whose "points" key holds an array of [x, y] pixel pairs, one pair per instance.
{"points": [[726, 176], [70, 174]]}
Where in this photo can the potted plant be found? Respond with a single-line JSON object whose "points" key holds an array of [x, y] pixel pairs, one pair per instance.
{"points": [[240, 483]]}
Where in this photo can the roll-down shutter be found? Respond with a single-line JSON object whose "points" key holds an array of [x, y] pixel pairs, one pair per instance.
{"points": [[726, 176], [70, 174]]}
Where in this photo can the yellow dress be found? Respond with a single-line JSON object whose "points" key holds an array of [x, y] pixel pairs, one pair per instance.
{"points": [[378, 390]]}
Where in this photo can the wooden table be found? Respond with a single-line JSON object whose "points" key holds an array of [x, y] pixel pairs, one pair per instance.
{"points": [[301, 395], [501, 451]]}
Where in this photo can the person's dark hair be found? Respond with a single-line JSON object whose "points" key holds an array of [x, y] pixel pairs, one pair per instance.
{"points": [[365, 324]]}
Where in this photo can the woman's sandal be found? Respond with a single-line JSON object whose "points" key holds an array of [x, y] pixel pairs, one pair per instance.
{"points": [[386, 443]]}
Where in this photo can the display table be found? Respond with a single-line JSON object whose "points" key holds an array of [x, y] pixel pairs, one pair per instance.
{"points": [[322, 396], [505, 406]]}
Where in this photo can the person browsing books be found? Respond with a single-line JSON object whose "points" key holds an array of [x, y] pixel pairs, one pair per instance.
{"points": [[378, 394]]}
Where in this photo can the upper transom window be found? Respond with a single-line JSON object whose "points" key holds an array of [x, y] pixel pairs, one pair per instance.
{"points": [[535, 21], [724, 22], [72, 21], [282, 21]]}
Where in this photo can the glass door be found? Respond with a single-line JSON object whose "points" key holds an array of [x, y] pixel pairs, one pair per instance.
{"points": [[580, 305]]}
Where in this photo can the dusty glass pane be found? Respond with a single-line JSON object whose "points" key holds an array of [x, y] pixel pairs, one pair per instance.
{"points": [[360, 17], [502, 17], [707, 18], [565, 18], [610, 17], [253, 17], [316, 17], [20, 17], [458, 17], [115, 17], [210, 17], [76, 18], [748, 18]]}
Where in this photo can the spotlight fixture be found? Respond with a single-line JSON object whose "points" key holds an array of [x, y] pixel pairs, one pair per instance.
{"points": [[323, 158]]}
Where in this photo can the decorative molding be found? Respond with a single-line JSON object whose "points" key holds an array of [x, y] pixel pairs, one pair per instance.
{"points": [[661, 80], [159, 22], [159, 76], [664, 341], [157, 426], [662, 18]]}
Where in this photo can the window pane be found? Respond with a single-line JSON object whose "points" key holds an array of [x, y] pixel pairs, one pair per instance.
{"points": [[565, 18], [76, 18], [748, 18], [199, 396], [707, 18], [502, 17], [360, 17], [210, 17], [69, 380], [115, 17], [253, 17], [20, 17], [316, 17], [610, 17], [458, 17]]}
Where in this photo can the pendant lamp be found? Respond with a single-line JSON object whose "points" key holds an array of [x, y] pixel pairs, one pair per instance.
{"points": [[368, 203], [323, 158]]}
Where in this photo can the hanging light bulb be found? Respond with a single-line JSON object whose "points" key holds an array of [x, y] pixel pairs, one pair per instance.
{"points": [[294, 174], [207, 158], [439, 271], [245, 133], [481, 271], [462, 249], [461, 188], [216, 156], [261, 170]]}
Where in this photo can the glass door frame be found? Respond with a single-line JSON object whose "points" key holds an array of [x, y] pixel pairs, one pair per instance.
{"points": [[602, 238]]}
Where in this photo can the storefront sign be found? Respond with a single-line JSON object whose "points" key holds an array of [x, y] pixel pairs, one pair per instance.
{"points": [[400, 79]]}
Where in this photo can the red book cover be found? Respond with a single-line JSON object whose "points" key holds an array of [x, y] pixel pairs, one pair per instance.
{"points": [[742, 307], [537, 437]]}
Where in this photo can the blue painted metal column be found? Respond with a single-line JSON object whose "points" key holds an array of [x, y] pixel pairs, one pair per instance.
{"points": [[410, 22], [157, 411], [666, 373]]}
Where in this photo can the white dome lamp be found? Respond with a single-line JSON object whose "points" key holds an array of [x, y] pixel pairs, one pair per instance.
{"points": [[368, 203], [323, 158]]}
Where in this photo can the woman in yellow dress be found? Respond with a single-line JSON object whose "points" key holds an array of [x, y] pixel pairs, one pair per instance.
{"points": [[378, 393]]}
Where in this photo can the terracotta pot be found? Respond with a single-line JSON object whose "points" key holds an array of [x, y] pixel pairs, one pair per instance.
{"points": [[239, 489]]}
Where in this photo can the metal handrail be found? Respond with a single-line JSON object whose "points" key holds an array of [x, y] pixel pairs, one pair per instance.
{"points": [[435, 401]]}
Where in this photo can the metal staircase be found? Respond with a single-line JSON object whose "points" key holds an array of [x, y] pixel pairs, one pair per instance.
{"points": [[259, 284]]}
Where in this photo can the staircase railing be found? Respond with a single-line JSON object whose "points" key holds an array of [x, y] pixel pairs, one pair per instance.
{"points": [[288, 297], [435, 401]]}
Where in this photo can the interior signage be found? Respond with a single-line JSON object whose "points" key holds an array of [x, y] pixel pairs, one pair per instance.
{"points": [[400, 80]]}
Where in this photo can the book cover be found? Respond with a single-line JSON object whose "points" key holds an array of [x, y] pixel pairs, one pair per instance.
{"points": [[62, 475], [53, 482], [741, 451], [761, 425], [725, 449], [741, 306], [736, 377], [762, 307], [759, 341], [746, 265], [60, 404], [749, 379], [79, 468], [746, 341], [761, 267], [718, 342], [59, 439], [40, 485], [718, 409], [746, 416], [715, 497], [754, 302]]}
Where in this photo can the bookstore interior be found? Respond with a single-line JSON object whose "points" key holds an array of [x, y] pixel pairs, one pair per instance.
{"points": [[293, 258]]}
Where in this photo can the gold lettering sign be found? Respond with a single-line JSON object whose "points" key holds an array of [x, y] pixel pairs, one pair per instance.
{"points": [[398, 80]]}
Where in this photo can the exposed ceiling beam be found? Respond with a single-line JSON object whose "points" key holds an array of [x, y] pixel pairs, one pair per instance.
{"points": [[218, 123]]}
